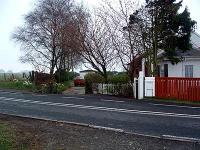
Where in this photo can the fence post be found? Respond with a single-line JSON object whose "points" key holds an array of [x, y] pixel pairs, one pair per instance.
{"points": [[135, 88], [141, 85]]}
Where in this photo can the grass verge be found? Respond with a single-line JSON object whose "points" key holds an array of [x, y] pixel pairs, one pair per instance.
{"points": [[19, 85], [28, 86], [6, 137]]}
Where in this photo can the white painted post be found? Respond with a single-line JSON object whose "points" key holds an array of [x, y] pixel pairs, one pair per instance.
{"points": [[141, 85], [134, 88], [143, 64]]}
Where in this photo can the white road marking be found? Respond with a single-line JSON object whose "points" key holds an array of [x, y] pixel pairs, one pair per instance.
{"points": [[180, 138], [73, 98], [103, 108], [13, 93], [190, 107], [38, 95], [105, 100]]}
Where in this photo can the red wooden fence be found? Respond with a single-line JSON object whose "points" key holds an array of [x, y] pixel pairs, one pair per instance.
{"points": [[178, 88]]}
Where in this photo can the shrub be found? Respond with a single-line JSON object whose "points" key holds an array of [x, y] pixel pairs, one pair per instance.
{"points": [[27, 84], [94, 78], [62, 76], [58, 88], [90, 79], [119, 79]]}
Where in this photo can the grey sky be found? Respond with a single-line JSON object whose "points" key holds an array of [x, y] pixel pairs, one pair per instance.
{"points": [[12, 12]]}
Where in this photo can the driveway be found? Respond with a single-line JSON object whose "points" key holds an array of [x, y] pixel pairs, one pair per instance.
{"points": [[126, 115], [75, 91]]}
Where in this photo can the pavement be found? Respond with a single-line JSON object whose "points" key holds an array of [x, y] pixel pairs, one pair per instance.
{"points": [[120, 114]]}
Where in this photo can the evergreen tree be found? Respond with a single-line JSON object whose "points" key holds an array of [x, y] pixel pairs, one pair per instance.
{"points": [[169, 30]]}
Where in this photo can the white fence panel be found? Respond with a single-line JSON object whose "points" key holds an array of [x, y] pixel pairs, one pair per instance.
{"points": [[149, 86]]}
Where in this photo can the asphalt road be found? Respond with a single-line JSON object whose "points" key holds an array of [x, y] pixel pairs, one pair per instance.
{"points": [[142, 117]]}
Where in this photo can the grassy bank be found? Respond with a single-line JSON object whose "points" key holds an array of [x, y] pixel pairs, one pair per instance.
{"points": [[28, 86], [19, 85], [8, 139]]}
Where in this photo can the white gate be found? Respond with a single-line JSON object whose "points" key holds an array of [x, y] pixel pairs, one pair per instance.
{"points": [[149, 87]]}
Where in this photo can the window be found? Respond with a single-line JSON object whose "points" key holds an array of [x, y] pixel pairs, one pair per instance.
{"points": [[189, 71], [165, 70], [162, 71], [158, 68]]}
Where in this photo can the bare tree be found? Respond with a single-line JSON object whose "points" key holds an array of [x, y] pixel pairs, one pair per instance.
{"points": [[44, 33], [126, 38], [96, 45]]}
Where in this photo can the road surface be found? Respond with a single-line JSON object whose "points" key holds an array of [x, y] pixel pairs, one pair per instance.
{"points": [[142, 117]]}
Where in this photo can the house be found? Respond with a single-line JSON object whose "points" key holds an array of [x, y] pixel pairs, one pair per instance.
{"points": [[84, 72], [189, 66]]}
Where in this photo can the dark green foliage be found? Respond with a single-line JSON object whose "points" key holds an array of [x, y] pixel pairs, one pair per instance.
{"points": [[163, 27], [90, 79], [119, 78], [62, 76], [94, 78], [171, 29], [187, 25], [88, 88]]}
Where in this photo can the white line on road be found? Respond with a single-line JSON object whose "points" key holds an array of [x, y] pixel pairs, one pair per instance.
{"points": [[190, 107], [105, 100], [39, 95], [73, 98], [13, 93], [103, 108], [180, 138]]}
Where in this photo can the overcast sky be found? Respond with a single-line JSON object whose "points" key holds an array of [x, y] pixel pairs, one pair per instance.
{"points": [[11, 16]]}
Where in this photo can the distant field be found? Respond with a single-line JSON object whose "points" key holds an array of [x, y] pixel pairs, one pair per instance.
{"points": [[11, 76]]}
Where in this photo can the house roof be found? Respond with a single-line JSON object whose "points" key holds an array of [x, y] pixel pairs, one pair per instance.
{"points": [[83, 71], [195, 40], [194, 52]]}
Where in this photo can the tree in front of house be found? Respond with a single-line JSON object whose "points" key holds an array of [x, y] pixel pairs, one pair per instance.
{"points": [[164, 28]]}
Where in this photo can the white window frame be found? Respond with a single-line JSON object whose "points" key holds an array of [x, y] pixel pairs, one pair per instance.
{"points": [[189, 71]]}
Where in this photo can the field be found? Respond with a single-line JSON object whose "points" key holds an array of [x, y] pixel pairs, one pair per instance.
{"points": [[11, 76]]}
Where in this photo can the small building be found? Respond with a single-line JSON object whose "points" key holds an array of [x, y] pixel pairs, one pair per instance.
{"points": [[189, 65], [84, 72]]}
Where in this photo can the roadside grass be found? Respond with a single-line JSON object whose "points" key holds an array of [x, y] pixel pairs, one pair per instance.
{"points": [[174, 101], [19, 85], [27, 86], [6, 138], [68, 84]]}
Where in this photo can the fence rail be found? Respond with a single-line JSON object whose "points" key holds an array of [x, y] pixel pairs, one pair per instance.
{"points": [[178, 88]]}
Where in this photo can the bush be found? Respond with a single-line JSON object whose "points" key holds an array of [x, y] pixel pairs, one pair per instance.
{"points": [[58, 88], [119, 79], [62, 75], [90, 79]]}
